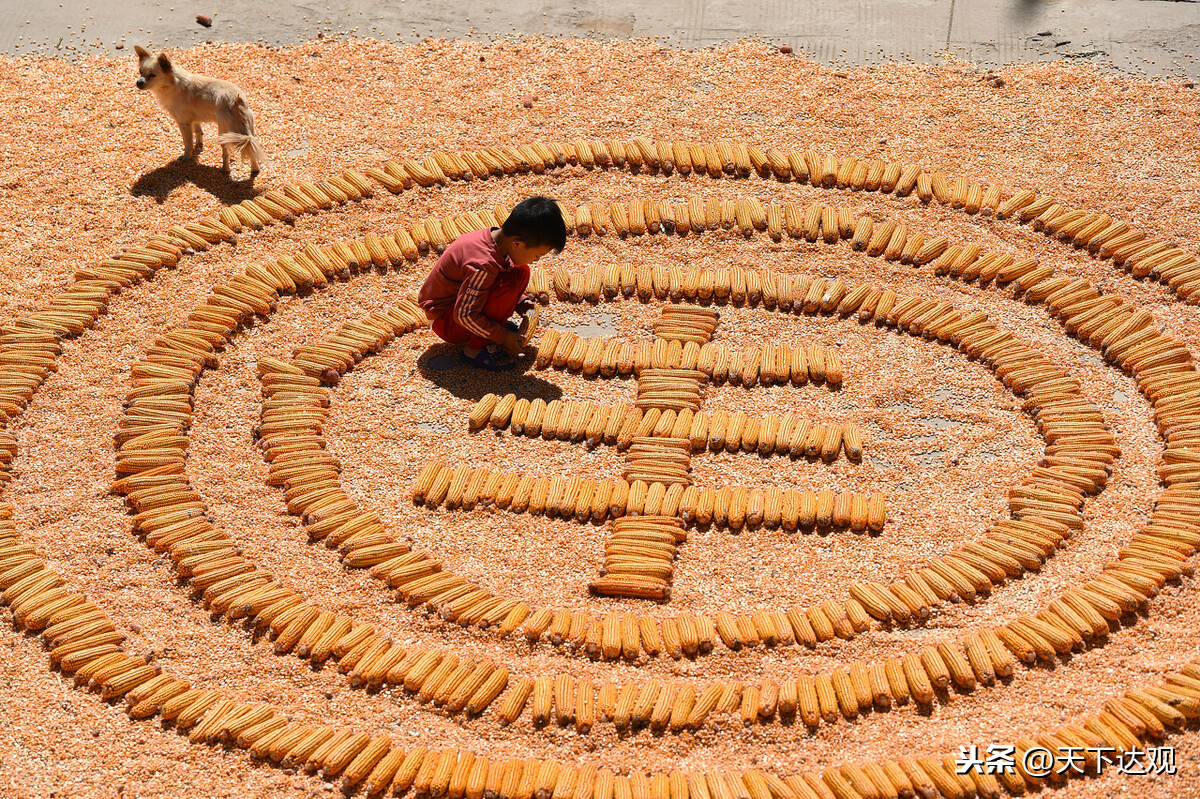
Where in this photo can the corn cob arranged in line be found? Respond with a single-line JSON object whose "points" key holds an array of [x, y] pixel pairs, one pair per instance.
{"points": [[685, 323], [1141, 712], [769, 365], [670, 389], [658, 459], [639, 556], [661, 470], [772, 434], [734, 507], [1083, 229]]}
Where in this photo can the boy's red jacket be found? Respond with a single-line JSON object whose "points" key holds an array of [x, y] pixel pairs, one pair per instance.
{"points": [[460, 282]]}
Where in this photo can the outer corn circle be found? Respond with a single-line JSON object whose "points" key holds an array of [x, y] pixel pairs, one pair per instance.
{"points": [[1110, 595]]}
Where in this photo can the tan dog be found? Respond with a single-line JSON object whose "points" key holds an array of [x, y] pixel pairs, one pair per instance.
{"points": [[192, 99]]}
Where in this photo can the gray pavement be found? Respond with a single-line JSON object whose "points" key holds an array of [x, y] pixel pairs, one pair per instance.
{"points": [[1144, 37]]}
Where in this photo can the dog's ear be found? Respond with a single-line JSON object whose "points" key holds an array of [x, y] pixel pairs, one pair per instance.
{"points": [[164, 63], [142, 52]]}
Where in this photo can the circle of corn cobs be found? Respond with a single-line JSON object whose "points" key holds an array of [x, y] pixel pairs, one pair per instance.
{"points": [[447, 485], [85, 642]]}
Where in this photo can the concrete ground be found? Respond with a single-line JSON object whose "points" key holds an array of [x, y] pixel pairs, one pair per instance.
{"points": [[1144, 37]]}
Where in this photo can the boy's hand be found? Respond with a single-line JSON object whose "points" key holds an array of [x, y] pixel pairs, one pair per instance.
{"points": [[512, 343], [526, 304]]}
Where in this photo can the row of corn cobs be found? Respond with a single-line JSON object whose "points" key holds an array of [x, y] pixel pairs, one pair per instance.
{"points": [[772, 364], [621, 425], [847, 693], [661, 458], [716, 159], [814, 222], [639, 557], [774, 290], [844, 693], [656, 459], [1105, 237], [686, 323], [584, 498], [669, 389], [1099, 233]]}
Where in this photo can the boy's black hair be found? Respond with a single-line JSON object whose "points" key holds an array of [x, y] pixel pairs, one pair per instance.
{"points": [[538, 222]]}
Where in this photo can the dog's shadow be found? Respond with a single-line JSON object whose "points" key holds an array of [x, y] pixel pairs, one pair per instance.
{"points": [[160, 182]]}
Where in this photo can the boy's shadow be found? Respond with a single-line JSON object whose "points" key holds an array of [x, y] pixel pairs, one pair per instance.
{"points": [[442, 365], [160, 182]]}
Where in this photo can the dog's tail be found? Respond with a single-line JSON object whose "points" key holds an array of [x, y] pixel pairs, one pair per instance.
{"points": [[244, 147]]}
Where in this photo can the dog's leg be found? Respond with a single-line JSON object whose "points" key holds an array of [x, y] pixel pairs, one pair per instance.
{"points": [[185, 130], [197, 137], [221, 128]]}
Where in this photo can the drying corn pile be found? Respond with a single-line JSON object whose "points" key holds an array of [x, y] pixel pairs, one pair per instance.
{"points": [[827, 459]]}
